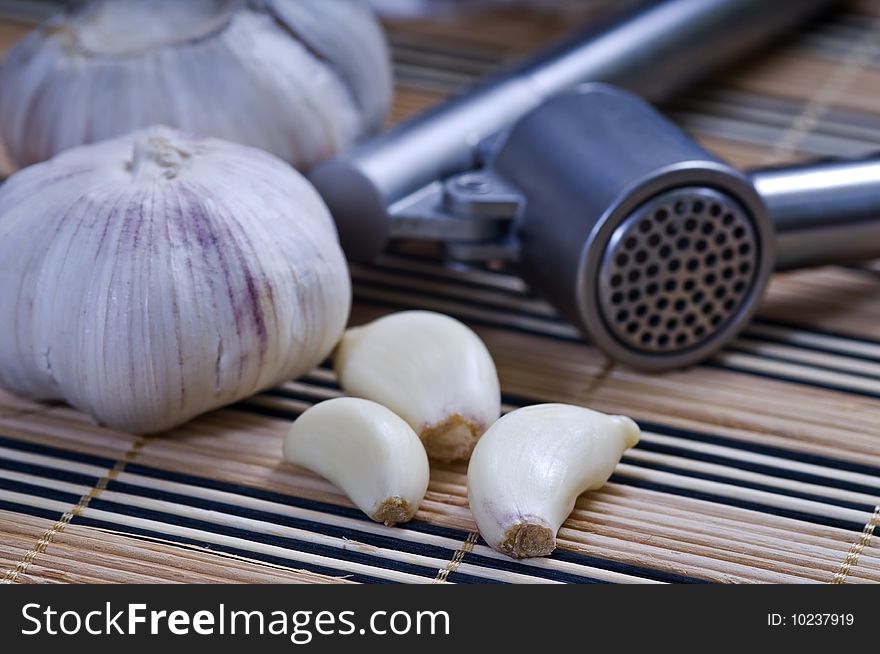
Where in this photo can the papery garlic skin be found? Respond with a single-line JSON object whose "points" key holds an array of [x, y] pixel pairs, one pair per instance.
{"points": [[431, 370], [151, 278], [301, 79], [367, 451], [529, 468]]}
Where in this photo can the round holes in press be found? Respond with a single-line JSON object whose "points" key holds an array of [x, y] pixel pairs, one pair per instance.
{"points": [[680, 269]]}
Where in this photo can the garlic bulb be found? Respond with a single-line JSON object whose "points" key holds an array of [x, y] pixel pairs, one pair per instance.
{"points": [[301, 79], [431, 370], [148, 279], [367, 451], [528, 469]]}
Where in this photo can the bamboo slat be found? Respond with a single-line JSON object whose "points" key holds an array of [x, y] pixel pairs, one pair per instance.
{"points": [[763, 465]]}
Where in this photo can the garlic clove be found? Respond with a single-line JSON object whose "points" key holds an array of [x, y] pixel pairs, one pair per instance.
{"points": [[302, 79], [151, 278], [529, 468], [367, 451], [431, 370]]}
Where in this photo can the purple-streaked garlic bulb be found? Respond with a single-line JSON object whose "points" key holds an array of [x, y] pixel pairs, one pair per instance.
{"points": [[148, 279], [302, 79]]}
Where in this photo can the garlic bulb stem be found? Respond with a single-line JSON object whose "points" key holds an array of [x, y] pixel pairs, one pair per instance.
{"points": [[529, 468], [157, 151], [367, 451]]}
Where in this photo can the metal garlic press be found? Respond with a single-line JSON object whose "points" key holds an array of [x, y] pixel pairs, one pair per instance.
{"points": [[656, 249]]}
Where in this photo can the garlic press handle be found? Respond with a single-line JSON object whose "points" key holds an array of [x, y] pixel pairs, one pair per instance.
{"points": [[656, 50], [824, 213]]}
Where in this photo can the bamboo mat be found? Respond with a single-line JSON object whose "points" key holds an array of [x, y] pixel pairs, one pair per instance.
{"points": [[763, 465]]}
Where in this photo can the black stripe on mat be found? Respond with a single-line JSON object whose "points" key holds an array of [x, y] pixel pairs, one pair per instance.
{"points": [[803, 516], [474, 320], [32, 490], [684, 472], [48, 473], [511, 565], [247, 554], [313, 381], [779, 340], [70, 455], [760, 468], [404, 289], [457, 577], [764, 356], [392, 542], [376, 540], [727, 367], [817, 330], [357, 515], [304, 396], [804, 457], [301, 395], [270, 496], [284, 542], [37, 512], [458, 282], [626, 568], [266, 412]]}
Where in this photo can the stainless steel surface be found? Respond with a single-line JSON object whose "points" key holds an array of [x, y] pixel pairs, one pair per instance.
{"points": [[595, 167], [655, 50], [824, 213], [430, 220], [678, 270]]}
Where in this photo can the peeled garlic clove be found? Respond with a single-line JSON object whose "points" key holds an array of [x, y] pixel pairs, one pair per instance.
{"points": [[152, 278], [302, 79], [367, 451], [431, 370], [529, 468]]}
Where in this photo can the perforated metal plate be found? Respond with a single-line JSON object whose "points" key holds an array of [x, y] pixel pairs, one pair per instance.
{"points": [[677, 270]]}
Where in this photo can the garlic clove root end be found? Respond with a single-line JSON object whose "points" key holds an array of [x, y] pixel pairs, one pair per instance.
{"points": [[527, 538]]}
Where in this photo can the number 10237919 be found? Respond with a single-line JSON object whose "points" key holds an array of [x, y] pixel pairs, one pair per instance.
{"points": [[811, 620]]}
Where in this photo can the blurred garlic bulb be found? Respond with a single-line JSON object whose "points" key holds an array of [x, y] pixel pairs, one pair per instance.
{"points": [[301, 79], [148, 279]]}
